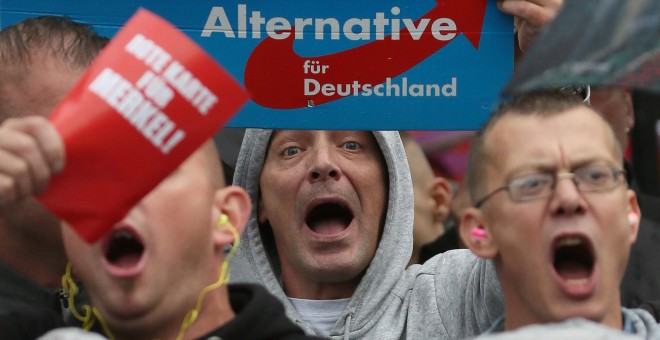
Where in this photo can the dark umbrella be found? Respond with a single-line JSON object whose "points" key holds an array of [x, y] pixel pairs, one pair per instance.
{"points": [[595, 42]]}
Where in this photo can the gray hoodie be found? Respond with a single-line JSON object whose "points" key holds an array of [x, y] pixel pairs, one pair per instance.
{"points": [[638, 324], [452, 296]]}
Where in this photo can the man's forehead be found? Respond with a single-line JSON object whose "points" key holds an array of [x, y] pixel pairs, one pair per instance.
{"points": [[580, 131], [316, 132], [38, 88], [296, 135], [566, 120]]}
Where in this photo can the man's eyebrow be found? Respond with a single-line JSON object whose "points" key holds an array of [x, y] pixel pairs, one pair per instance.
{"points": [[592, 161], [533, 167]]}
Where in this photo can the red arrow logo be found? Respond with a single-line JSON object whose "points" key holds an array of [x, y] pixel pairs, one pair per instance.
{"points": [[274, 74]]}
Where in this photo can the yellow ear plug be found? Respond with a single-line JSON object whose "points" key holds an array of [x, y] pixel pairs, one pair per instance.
{"points": [[224, 219]]}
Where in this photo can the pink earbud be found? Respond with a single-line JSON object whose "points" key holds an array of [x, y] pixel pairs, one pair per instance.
{"points": [[632, 217], [479, 233]]}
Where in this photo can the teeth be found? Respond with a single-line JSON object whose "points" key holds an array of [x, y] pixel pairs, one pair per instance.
{"points": [[569, 241], [123, 234], [577, 282]]}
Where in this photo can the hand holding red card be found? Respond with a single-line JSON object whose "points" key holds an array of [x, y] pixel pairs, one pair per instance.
{"points": [[149, 100]]}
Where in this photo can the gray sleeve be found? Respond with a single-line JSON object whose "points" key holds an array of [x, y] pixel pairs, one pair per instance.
{"points": [[455, 295], [570, 329]]}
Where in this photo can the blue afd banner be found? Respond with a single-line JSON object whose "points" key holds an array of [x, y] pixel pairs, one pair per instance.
{"points": [[309, 64]]}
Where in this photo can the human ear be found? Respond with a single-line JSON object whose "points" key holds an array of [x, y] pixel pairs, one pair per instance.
{"points": [[442, 195], [475, 234], [234, 203], [634, 215], [629, 109]]}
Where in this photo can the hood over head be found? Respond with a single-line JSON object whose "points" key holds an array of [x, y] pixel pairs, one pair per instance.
{"points": [[256, 259]]}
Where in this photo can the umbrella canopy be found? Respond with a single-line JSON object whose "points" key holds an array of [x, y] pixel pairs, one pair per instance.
{"points": [[595, 42]]}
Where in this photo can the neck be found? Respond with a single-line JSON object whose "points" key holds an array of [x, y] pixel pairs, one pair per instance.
{"points": [[216, 311], [516, 317], [416, 254], [302, 289], [512, 322]]}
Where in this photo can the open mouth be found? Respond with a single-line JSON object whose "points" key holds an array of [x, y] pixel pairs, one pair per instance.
{"points": [[123, 249], [329, 218], [574, 260]]}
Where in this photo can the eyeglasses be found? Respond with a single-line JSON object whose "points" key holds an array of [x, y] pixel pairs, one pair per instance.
{"points": [[583, 92], [540, 185]]}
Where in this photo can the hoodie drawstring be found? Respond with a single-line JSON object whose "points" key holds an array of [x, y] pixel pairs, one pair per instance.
{"points": [[347, 326]]}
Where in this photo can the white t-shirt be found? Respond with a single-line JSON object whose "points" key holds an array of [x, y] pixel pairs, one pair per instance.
{"points": [[320, 315]]}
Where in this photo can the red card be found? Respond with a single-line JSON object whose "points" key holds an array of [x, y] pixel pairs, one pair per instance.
{"points": [[149, 100]]}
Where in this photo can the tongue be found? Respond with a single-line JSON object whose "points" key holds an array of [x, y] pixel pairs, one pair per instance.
{"points": [[127, 260], [328, 226], [572, 270]]}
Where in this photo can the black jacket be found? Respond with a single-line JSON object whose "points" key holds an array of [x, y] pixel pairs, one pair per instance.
{"points": [[652, 307], [259, 315], [27, 309], [641, 281]]}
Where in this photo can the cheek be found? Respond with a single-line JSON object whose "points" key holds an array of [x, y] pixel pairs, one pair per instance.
{"points": [[78, 251], [610, 213], [279, 189], [616, 230], [371, 180], [276, 206], [269, 202], [516, 229]]}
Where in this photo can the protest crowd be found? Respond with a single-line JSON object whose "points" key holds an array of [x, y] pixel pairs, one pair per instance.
{"points": [[326, 234]]}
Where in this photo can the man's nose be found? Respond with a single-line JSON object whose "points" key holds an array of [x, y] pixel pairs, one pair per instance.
{"points": [[567, 198], [324, 166]]}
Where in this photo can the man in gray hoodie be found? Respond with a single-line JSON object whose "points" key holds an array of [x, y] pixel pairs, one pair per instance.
{"points": [[331, 235], [554, 212]]}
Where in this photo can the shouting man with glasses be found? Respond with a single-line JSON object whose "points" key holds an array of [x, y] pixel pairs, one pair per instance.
{"points": [[554, 212]]}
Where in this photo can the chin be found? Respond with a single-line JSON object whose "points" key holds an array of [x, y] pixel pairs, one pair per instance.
{"points": [[591, 310], [336, 272]]}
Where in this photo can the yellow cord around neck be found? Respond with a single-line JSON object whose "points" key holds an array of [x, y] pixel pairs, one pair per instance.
{"points": [[223, 277], [91, 314]]}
